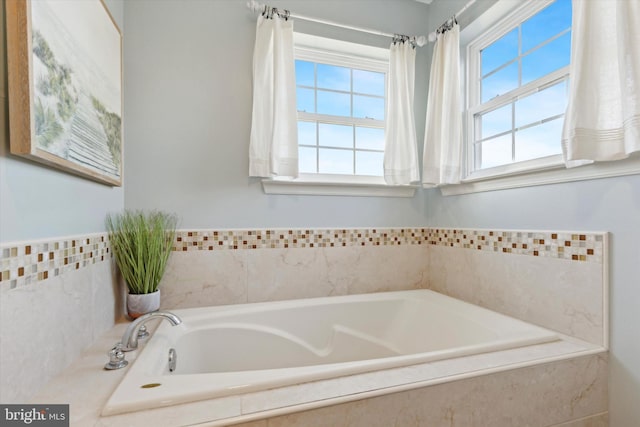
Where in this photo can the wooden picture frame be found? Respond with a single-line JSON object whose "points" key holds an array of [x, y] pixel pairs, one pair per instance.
{"points": [[65, 86]]}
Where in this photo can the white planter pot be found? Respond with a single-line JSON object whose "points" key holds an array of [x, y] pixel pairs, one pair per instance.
{"points": [[140, 304]]}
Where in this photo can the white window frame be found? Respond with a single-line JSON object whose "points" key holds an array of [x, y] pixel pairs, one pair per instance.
{"points": [[336, 52], [489, 27], [366, 64]]}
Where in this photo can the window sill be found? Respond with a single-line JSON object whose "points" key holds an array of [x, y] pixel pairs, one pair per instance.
{"points": [[337, 185], [557, 174]]}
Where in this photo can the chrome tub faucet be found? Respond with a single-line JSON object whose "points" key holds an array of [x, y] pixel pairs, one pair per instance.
{"points": [[131, 335]]}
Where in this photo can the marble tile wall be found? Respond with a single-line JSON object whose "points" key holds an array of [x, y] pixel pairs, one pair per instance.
{"points": [[556, 293], [600, 420], [202, 278], [569, 392], [46, 324], [237, 266]]}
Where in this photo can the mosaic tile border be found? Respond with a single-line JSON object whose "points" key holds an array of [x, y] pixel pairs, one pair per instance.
{"points": [[25, 263], [214, 240], [573, 246], [588, 247]]}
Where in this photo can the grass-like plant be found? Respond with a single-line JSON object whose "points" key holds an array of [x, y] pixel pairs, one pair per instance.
{"points": [[141, 243]]}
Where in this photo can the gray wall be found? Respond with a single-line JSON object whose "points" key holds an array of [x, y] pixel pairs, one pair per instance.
{"points": [[37, 201], [598, 205], [188, 109]]}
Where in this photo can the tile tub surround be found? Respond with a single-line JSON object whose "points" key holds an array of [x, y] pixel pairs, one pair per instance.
{"points": [[541, 385], [45, 325], [210, 267], [542, 395], [24, 263], [214, 267], [556, 293], [203, 278]]}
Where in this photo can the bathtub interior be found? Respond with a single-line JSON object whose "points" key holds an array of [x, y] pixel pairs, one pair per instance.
{"points": [[336, 333], [237, 349]]}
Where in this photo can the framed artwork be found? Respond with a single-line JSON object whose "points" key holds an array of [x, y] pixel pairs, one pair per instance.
{"points": [[65, 86]]}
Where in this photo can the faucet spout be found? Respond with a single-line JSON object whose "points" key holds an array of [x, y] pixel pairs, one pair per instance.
{"points": [[130, 338]]}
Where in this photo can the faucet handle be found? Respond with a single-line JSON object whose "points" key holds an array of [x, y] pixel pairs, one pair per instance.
{"points": [[143, 333], [116, 358]]}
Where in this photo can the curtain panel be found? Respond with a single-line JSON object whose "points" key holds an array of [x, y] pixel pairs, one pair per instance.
{"points": [[401, 148], [273, 148], [602, 121], [443, 128]]}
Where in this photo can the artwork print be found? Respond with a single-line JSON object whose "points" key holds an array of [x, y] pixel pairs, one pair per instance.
{"points": [[75, 88]]}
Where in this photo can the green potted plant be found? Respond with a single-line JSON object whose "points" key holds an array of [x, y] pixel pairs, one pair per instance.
{"points": [[141, 244]]}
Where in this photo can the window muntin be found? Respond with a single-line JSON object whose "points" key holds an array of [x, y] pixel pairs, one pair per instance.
{"points": [[518, 87], [341, 110]]}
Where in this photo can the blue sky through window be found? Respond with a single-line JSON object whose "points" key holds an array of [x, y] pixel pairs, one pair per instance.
{"points": [[545, 24], [538, 46], [348, 94], [527, 126]]}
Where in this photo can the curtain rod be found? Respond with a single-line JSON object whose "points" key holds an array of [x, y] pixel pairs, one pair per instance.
{"points": [[260, 7], [433, 34]]}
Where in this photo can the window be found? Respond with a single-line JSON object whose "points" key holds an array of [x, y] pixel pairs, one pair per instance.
{"points": [[341, 107], [341, 90], [517, 68], [340, 119], [517, 90]]}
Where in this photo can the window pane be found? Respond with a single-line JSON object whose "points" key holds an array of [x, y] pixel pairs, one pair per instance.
{"points": [[336, 161], [367, 107], [546, 24], [305, 100], [548, 58], [495, 152], [496, 121], [304, 73], [369, 163], [333, 77], [307, 160], [539, 141], [336, 135], [336, 104], [500, 83], [368, 82], [370, 138], [306, 133], [499, 52], [541, 105]]}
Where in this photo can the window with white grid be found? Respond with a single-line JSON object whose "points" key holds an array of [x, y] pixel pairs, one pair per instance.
{"points": [[341, 106], [517, 89]]}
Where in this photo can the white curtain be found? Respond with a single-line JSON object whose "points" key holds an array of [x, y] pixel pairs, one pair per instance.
{"points": [[443, 128], [400, 147], [273, 149], [603, 115]]}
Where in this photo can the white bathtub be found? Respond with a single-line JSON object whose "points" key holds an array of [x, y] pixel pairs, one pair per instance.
{"points": [[236, 349]]}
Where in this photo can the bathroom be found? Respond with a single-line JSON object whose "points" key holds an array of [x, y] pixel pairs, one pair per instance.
{"points": [[187, 88]]}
